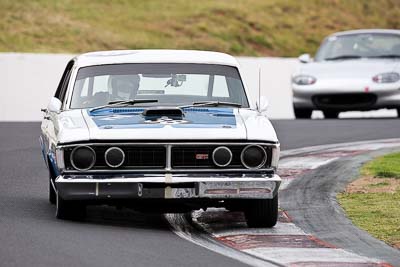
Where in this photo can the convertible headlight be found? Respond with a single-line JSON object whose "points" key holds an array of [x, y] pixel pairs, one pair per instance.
{"points": [[304, 80], [388, 77]]}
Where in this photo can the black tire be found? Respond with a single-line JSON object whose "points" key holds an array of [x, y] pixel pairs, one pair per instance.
{"points": [[330, 114], [398, 113], [302, 113], [52, 193], [69, 210], [262, 212]]}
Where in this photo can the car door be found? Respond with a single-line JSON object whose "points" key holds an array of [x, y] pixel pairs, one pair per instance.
{"points": [[49, 127]]}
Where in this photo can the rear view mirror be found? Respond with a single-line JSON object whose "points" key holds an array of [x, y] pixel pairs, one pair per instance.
{"points": [[176, 80], [54, 105], [305, 58]]}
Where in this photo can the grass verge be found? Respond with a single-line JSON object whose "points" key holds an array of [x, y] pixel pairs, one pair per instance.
{"points": [[242, 27], [372, 202]]}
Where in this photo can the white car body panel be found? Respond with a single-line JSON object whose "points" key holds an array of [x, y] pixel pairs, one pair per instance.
{"points": [[348, 76]]}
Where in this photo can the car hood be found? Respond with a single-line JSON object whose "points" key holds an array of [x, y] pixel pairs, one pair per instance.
{"points": [[358, 68], [196, 124]]}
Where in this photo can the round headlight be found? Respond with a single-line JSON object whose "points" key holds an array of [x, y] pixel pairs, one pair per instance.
{"points": [[253, 156], [389, 77], [304, 80], [83, 158], [114, 157], [222, 156]]}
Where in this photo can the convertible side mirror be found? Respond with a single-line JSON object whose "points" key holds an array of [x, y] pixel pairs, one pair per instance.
{"points": [[54, 105], [305, 58], [262, 104]]}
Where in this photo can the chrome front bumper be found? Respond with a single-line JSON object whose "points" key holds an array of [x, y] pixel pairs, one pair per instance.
{"points": [[166, 186]]}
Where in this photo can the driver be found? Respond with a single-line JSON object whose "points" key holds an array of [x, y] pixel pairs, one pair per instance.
{"points": [[123, 87]]}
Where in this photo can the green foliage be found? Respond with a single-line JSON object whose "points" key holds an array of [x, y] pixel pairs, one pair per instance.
{"points": [[376, 213], [243, 27], [387, 166]]}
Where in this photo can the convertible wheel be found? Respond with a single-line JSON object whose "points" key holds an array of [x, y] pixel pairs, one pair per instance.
{"points": [[302, 113], [329, 114], [262, 212], [69, 210]]}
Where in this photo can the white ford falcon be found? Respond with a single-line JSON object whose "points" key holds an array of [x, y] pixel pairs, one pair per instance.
{"points": [[159, 130]]}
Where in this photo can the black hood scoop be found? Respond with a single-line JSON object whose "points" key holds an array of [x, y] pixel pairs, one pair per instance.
{"points": [[158, 112]]}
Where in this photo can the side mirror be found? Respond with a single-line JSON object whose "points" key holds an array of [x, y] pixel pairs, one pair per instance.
{"points": [[262, 106], [54, 105], [305, 58]]}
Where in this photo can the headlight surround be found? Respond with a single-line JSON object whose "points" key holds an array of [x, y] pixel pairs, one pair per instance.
{"points": [[304, 80], [222, 156], [114, 157], [388, 77], [253, 157], [83, 158]]}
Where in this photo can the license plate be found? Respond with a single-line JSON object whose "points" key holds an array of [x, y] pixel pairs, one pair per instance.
{"points": [[183, 192]]}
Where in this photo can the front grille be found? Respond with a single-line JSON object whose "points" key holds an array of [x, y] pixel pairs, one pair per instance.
{"points": [[154, 157], [345, 101], [136, 157], [188, 157]]}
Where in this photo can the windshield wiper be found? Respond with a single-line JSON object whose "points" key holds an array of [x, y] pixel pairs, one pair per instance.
{"points": [[212, 104], [386, 56], [124, 103], [343, 57]]}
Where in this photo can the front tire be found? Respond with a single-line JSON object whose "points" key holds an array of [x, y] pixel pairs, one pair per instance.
{"points": [[52, 193], [262, 212], [69, 210], [302, 113]]}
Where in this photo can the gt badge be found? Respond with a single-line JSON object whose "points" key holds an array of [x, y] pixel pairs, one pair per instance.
{"points": [[201, 156]]}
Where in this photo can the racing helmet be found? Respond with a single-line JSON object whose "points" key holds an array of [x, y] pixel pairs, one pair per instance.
{"points": [[124, 87]]}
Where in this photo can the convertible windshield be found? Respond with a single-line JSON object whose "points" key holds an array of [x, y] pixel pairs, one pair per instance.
{"points": [[165, 84], [355, 46]]}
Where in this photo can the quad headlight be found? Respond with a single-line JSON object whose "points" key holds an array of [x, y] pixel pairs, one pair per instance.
{"points": [[304, 80], [253, 157], [114, 157], [222, 156], [83, 158], [388, 77]]}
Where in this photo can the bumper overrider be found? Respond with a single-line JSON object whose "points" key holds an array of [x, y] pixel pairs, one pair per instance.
{"points": [[167, 186]]}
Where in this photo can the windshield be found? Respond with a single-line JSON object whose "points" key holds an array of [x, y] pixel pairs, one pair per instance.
{"points": [[352, 46], [166, 84]]}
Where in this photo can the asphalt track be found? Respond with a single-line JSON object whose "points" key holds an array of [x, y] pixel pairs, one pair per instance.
{"points": [[311, 203], [31, 236]]}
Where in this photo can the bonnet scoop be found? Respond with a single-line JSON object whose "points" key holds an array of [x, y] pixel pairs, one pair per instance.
{"points": [[163, 112]]}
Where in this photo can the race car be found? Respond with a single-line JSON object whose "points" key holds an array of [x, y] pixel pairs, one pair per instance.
{"points": [[159, 130], [356, 70]]}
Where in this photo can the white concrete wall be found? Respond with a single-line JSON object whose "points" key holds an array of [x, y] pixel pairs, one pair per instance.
{"points": [[29, 80]]}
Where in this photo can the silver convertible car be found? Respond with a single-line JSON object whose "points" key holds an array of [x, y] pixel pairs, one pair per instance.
{"points": [[159, 130], [352, 71]]}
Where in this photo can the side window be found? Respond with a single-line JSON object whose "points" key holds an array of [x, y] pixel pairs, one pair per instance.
{"points": [[62, 86], [220, 88]]}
